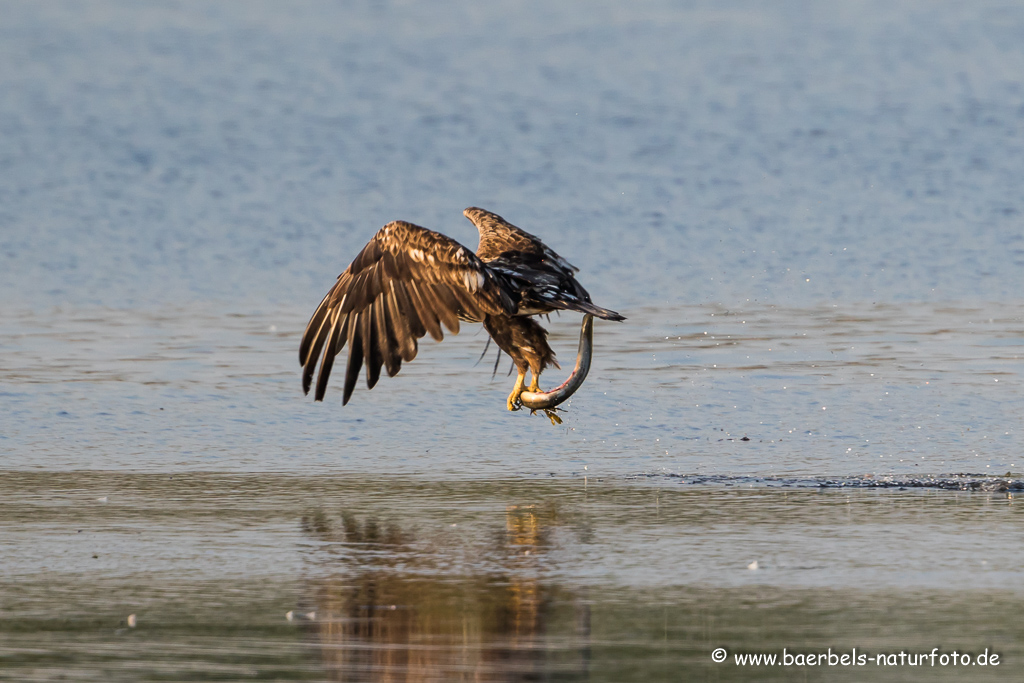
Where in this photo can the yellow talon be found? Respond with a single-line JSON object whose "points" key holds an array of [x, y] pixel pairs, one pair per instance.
{"points": [[550, 412], [513, 398]]}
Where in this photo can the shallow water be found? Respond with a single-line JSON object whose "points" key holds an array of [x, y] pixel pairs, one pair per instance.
{"points": [[805, 435], [851, 390], [291, 577]]}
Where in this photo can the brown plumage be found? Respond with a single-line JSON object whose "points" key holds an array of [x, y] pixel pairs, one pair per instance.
{"points": [[409, 281]]}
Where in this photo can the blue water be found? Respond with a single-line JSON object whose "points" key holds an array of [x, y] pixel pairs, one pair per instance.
{"points": [[810, 214], [788, 154]]}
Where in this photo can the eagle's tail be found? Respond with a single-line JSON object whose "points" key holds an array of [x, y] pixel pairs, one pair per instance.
{"points": [[568, 302], [593, 309]]}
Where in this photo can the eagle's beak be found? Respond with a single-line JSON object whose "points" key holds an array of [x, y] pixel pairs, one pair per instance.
{"points": [[545, 400]]}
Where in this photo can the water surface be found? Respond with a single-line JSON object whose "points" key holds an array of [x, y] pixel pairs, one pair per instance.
{"points": [[805, 435], [346, 578]]}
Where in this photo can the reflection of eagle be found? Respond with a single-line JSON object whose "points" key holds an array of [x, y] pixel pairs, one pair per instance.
{"points": [[384, 612], [409, 280]]}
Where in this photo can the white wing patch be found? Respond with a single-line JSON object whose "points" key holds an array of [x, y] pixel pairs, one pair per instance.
{"points": [[473, 279]]}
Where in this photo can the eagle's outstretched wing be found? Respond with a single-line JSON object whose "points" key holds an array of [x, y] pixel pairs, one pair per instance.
{"points": [[405, 282]]}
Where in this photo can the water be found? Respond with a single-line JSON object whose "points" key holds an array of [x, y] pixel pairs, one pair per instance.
{"points": [[804, 436], [346, 577]]}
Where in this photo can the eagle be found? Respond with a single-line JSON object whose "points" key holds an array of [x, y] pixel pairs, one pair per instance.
{"points": [[408, 281]]}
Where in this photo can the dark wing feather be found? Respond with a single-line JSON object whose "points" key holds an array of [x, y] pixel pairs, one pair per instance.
{"points": [[334, 334], [406, 282], [545, 288], [404, 324], [355, 361]]}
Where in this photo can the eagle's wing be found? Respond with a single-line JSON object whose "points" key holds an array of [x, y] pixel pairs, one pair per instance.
{"points": [[545, 280], [404, 283], [498, 237]]}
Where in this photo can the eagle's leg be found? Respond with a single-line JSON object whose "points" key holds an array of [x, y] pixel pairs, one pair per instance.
{"points": [[525, 341], [513, 398]]}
